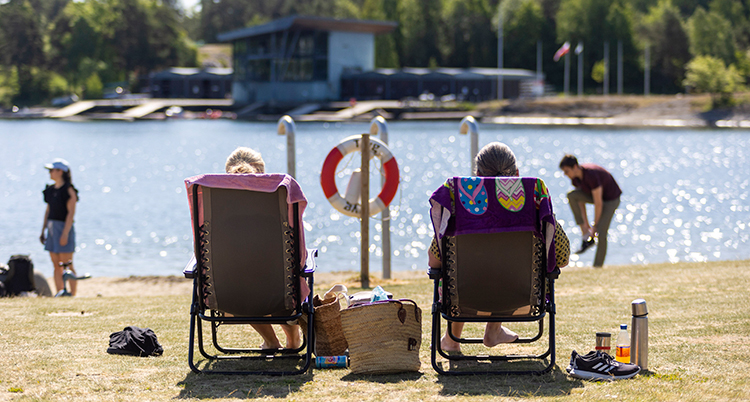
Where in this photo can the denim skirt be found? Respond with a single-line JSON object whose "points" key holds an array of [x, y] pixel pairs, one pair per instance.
{"points": [[54, 232]]}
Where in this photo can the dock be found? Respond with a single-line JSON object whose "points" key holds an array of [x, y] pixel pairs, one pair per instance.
{"points": [[136, 108]]}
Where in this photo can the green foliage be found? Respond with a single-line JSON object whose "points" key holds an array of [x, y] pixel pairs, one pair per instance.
{"points": [[93, 87], [522, 29], [663, 32], [595, 22], [421, 24], [83, 41], [707, 74], [56, 43], [711, 35], [597, 72], [468, 34], [386, 55], [8, 86]]}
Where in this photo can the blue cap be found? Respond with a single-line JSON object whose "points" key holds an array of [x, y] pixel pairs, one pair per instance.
{"points": [[58, 163], [623, 326]]}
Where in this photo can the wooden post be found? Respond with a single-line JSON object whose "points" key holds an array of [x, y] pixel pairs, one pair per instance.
{"points": [[365, 217]]}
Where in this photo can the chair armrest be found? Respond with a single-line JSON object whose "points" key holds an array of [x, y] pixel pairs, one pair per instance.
{"points": [[434, 273], [554, 274], [189, 270], [310, 264]]}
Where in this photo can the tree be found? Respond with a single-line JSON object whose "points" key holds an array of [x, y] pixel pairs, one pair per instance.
{"points": [[22, 47], [736, 13], [522, 26], [386, 55], [707, 74], [469, 37], [711, 35], [595, 22], [662, 30], [420, 20]]}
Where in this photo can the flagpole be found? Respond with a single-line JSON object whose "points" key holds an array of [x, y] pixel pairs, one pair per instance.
{"points": [[606, 69], [500, 54], [647, 72], [579, 51], [566, 83], [619, 67]]}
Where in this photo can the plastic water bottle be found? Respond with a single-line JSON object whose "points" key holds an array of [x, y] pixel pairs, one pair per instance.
{"points": [[623, 345], [378, 294]]}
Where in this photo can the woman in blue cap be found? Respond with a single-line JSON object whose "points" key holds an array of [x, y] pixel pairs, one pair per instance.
{"points": [[60, 239]]}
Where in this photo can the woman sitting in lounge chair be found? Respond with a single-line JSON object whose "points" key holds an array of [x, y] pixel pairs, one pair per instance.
{"points": [[495, 159], [247, 160]]}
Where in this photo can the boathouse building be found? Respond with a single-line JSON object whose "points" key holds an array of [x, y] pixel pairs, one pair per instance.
{"points": [[298, 60]]}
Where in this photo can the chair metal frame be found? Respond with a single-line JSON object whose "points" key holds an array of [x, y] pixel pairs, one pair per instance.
{"points": [[439, 312], [198, 314]]}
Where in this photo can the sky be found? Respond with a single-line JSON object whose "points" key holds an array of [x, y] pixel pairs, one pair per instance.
{"points": [[187, 4]]}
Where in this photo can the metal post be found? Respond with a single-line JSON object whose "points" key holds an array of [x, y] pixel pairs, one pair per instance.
{"points": [[606, 69], [619, 67], [378, 126], [500, 56], [580, 71], [647, 72], [365, 217], [539, 60], [287, 127], [469, 126], [566, 82]]}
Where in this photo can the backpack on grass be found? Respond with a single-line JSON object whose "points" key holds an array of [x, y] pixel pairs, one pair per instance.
{"points": [[19, 275]]}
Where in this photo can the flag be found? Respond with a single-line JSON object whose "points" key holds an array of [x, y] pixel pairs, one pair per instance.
{"points": [[562, 51], [579, 48]]}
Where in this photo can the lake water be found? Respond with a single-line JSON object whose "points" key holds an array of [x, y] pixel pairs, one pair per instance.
{"points": [[685, 192]]}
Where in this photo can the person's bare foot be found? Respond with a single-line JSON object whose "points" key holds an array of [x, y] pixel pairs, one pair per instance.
{"points": [[293, 338], [447, 344], [503, 335], [267, 346]]}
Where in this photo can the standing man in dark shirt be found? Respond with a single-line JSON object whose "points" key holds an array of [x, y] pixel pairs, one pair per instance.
{"points": [[593, 185]]}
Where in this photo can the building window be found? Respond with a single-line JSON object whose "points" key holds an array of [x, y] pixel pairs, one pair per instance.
{"points": [[307, 61]]}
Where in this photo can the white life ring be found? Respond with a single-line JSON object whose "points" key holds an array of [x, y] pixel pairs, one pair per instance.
{"points": [[390, 170]]}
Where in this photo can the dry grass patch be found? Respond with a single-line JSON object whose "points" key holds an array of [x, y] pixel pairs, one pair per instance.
{"points": [[699, 327]]}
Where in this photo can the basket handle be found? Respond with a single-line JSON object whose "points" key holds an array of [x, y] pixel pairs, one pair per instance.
{"points": [[401, 312]]}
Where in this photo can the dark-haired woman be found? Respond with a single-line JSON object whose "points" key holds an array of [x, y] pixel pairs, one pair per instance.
{"points": [[60, 238]]}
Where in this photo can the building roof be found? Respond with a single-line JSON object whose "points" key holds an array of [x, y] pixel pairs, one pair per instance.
{"points": [[183, 72], [458, 73], [319, 23]]}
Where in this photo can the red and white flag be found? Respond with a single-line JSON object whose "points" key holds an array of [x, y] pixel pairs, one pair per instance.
{"points": [[562, 51]]}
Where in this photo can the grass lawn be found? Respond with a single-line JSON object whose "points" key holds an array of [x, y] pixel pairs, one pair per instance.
{"points": [[55, 349]]}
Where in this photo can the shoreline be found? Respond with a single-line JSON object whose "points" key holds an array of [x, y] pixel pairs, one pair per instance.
{"points": [[173, 285], [658, 111]]}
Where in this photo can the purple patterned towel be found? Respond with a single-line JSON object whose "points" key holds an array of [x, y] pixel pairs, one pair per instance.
{"points": [[465, 205]]}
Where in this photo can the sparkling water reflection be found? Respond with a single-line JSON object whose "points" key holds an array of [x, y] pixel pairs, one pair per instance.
{"points": [[685, 192]]}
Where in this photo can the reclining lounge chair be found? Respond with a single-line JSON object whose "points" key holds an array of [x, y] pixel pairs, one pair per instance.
{"points": [[496, 239], [249, 240]]}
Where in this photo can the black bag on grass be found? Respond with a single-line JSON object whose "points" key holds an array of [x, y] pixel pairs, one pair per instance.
{"points": [[134, 341], [20, 275]]}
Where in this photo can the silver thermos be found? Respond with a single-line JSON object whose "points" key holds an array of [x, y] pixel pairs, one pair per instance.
{"points": [[639, 334]]}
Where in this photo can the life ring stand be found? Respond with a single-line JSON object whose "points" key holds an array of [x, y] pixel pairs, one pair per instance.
{"points": [[390, 170]]}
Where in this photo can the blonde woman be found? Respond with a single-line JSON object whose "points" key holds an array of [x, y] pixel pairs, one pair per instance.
{"points": [[247, 160]]}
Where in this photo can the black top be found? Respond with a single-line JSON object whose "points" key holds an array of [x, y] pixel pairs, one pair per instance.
{"points": [[57, 198]]}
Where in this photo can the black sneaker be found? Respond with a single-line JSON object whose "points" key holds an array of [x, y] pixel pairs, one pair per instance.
{"points": [[587, 242], [600, 366]]}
